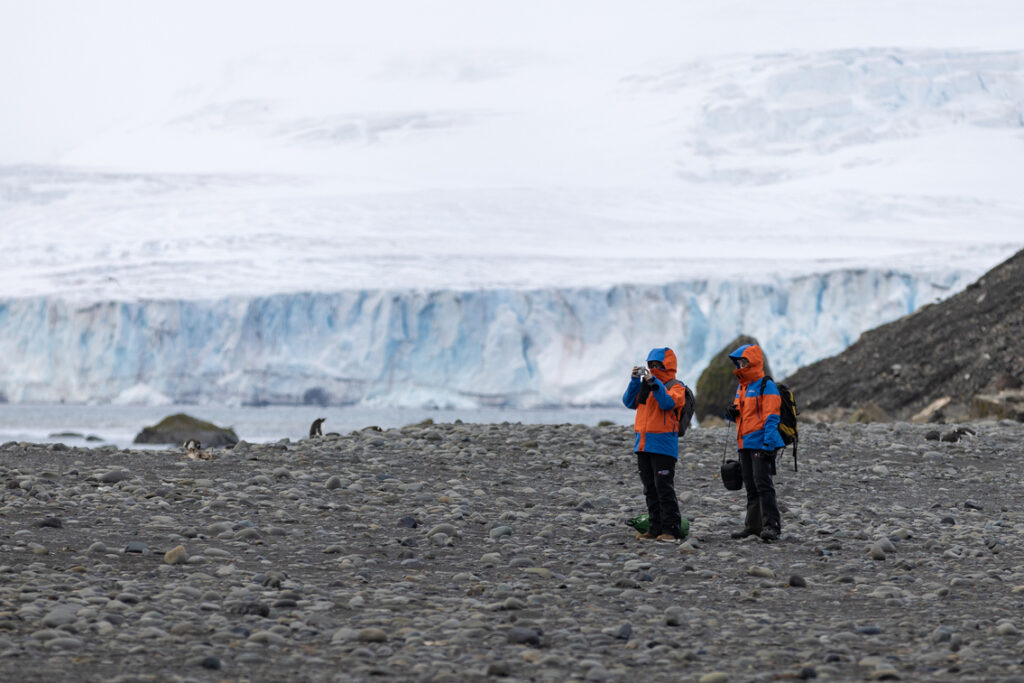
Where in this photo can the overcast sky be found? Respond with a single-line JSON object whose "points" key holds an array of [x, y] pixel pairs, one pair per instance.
{"points": [[74, 68]]}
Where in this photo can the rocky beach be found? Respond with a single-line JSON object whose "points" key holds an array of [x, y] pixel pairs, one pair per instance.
{"points": [[469, 552]]}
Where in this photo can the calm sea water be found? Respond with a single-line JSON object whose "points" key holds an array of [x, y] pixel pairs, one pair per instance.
{"points": [[119, 424]]}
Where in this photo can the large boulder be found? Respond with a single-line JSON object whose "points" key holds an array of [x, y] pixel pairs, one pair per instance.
{"points": [[1005, 405], [177, 429], [716, 386], [867, 413]]}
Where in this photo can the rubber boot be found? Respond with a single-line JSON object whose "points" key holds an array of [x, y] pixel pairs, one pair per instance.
{"points": [[751, 523], [753, 520]]}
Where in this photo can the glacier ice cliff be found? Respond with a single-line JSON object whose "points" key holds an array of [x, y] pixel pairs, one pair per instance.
{"points": [[517, 348]]}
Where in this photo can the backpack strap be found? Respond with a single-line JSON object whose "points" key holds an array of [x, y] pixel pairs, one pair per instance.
{"points": [[671, 383], [678, 411], [760, 395]]}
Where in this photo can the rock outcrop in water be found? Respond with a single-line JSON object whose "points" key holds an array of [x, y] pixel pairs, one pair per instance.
{"points": [[177, 429], [947, 353]]}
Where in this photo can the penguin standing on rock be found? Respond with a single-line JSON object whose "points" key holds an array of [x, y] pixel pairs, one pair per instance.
{"points": [[314, 429]]}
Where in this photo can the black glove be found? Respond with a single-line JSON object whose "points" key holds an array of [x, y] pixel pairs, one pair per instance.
{"points": [[731, 413]]}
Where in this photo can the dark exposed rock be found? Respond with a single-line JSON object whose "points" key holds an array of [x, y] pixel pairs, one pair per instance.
{"points": [[716, 386], [955, 348], [177, 429]]}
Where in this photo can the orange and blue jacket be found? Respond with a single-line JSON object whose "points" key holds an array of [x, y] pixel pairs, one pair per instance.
{"points": [[657, 420], [757, 425]]}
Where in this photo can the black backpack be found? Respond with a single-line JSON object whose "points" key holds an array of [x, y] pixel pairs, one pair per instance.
{"points": [[685, 414], [787, 416]]}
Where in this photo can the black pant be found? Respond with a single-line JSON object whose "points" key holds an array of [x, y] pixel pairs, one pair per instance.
{"points": [[762, 506], [657, 472]]}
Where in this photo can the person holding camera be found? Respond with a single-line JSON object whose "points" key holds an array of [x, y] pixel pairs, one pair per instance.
{"points": [[756, 411], [657, 439]]}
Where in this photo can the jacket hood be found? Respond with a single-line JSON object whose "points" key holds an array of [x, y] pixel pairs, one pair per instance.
{"points": [[668, 357], [754, 371]]}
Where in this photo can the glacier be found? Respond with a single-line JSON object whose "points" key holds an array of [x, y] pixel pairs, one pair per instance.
{"points": [[491, 217], [438, 349]]}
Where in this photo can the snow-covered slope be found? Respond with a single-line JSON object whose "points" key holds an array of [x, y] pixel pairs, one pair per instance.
{"points": [[798, 161], [520, 348]]}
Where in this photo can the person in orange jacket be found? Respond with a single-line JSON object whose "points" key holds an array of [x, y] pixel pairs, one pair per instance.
{"points": [[657, 439], [756, 412]]}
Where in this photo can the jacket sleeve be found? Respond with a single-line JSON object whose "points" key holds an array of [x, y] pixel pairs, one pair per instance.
{"points": [[735, 404], [665, 399], [772, 438], [632, 393]]}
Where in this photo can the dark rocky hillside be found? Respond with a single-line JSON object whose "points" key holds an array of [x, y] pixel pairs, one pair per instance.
{"points": [[953, 358]]}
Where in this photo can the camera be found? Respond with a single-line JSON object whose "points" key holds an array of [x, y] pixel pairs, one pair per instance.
{"points": [[642, 372]]}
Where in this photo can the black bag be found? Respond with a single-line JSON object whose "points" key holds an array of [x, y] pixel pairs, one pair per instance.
{"points": [[732, 475], [685, 414]]}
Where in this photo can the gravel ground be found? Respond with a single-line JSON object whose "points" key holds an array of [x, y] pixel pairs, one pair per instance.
{"points": [[470, 552]]}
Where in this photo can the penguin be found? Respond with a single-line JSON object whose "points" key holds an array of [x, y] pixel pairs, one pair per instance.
{"points": [[314, 429], [193, 452], [957, 434]]}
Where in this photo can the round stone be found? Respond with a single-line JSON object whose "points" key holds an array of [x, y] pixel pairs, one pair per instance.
{"points": [[212, 663], [715, 677], [371, 635], [176, 555]]}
